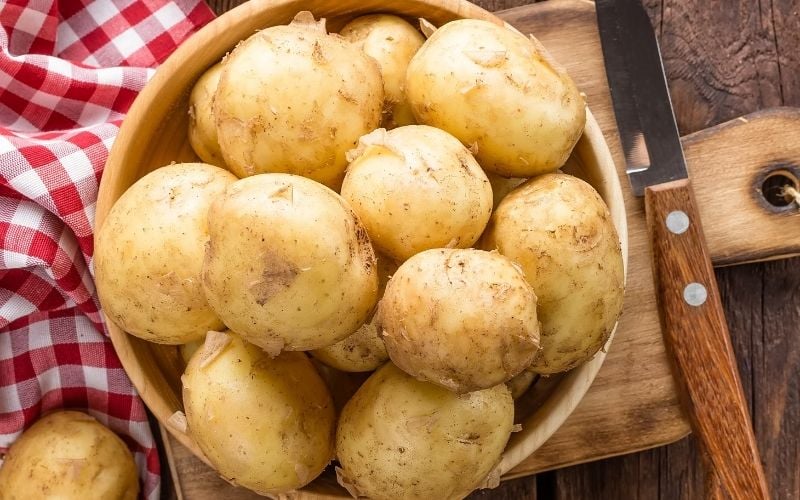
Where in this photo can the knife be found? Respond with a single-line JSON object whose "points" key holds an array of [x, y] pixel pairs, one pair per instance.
{"points": [[692, 318]]}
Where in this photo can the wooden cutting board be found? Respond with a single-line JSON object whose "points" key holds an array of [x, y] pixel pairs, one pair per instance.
{"points": [[633, 403]]}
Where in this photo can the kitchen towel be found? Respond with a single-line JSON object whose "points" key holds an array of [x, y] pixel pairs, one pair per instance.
{"points": [[69, 71]]}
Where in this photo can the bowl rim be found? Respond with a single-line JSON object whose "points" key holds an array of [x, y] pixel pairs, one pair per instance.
{"points": [[539, 426]]}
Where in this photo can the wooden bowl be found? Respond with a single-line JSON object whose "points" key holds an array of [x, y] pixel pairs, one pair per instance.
{"points": [[154, 135]]}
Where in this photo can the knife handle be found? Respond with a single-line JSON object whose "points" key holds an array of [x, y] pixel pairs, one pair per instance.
{"points": [[697, 336]]}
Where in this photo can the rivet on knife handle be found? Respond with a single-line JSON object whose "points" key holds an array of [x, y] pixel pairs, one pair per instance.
{"points": [[696, 334]]}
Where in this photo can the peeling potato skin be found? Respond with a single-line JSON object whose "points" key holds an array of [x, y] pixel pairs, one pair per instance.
{"points": [[68, 455], [362, 351], [492, 87], [417, 188], [294, 99], [392, 42], [400, 438], [149, 254], [462, 319], [264, 423], [288, 265], [202, 126], [559, 230]]}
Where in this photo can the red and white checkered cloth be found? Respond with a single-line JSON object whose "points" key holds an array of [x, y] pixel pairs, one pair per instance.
{"points": [[69, 70]]}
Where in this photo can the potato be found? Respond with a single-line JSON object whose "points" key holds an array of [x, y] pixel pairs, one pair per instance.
{"points": [[68, 455], [188, 349], [392, 42], [202, 126], [495, 89], [400, 438], [294, 99], [520, 384], [417, 188], [264, 423], [288, 265], [149, 253], [557, 228], [501, 186], [462, 319], [342, 385], [362, 351]]}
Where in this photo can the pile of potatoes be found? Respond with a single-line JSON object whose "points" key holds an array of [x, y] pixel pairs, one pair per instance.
{"points": [[370, 200]]}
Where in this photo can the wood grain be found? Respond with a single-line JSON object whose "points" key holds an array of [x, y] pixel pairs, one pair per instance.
{"points": [[719, 61], [222, 6], [775, 362], [786, 36], [697, 337], [727, 165], [753, 302]]}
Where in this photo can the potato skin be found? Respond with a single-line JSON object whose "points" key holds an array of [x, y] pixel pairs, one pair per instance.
{"points": [[288, 265], [392, 42], [188, 349], [462, 319], [400, 438], [492, 87], [417, 188], [341, 384], [362, 351], [559, 230], [68, 455], [149, 253], [264, 423], [202, 126], [294, 99], [501, 186], [520, 384]]}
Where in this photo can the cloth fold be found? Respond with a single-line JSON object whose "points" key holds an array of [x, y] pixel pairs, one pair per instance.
{"points": [[69, 71]]}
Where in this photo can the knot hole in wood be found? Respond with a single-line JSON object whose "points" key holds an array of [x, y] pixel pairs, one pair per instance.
{"points": [[778, 188]]}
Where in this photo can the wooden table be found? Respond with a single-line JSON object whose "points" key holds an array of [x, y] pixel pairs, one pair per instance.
{"points": [[722, 62]]}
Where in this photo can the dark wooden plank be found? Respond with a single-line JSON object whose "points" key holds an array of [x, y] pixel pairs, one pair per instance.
{"points": [[222, 6], [786, 20], [525, 487], [495, 5], [777, 353], [764, 318], [661, 473], [721, 62], [654, 9]]}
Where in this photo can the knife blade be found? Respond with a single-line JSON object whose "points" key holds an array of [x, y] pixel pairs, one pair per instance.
{"points": [[692, 318], [641, 100]]}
